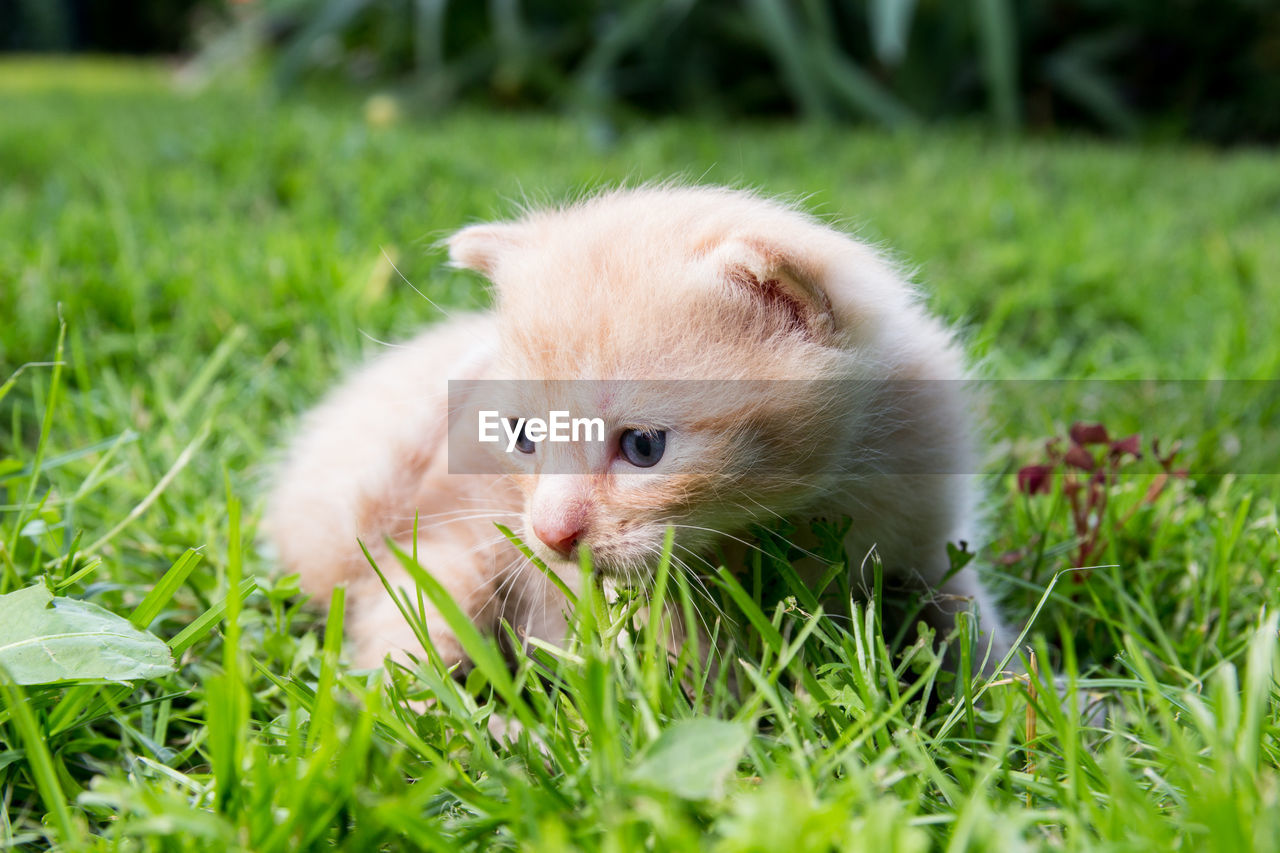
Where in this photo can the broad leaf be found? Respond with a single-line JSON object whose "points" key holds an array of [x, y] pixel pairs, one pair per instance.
{"points": [[693, 758], [44, 640]]}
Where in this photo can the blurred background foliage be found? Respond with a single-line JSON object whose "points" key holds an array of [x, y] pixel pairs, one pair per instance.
{"points": [[1205, 69]]}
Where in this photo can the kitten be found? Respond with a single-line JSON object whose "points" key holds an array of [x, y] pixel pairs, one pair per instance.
{"points": [[748, 362]]}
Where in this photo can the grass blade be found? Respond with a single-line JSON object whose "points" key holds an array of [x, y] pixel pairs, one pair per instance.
{"points": [[997, 33], [40, 763]]}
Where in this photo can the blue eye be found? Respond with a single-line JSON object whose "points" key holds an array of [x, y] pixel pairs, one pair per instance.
{"points": [[523, 443], [643, 449]]}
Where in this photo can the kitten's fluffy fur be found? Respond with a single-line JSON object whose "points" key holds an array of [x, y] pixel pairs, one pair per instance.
{"points": [[655, 283]]}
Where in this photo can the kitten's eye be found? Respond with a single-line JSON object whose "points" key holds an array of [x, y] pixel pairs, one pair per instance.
{"points": [[523, 443], [643, 449]]}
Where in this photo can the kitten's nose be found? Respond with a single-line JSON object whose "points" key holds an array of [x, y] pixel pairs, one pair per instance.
{"points": [[559, 537]]}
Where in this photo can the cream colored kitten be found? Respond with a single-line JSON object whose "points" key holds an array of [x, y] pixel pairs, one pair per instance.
{"points": [[833, 394]]}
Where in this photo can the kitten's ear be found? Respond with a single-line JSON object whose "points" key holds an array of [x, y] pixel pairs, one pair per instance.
{"points": [[482, 247], [782, 280]]}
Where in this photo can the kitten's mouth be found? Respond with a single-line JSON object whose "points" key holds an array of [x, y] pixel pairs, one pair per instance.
{"points": [[629, 575], [621, 572]]}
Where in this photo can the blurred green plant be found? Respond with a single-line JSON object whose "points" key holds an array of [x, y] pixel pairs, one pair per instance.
{"points": [[1120, 66], [105, 26]]}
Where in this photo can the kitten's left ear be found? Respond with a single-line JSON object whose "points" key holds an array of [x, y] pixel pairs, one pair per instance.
{"points": [[482, 247], [783, 280]]}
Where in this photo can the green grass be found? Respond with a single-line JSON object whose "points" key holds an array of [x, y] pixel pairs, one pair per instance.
{"points": [[218, 258]]}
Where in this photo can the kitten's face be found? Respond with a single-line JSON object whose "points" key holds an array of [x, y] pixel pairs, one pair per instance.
{"points": [[705, 458], [693, 344]]}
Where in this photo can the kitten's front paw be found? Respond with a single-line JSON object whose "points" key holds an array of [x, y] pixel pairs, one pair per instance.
{"points": [[1090, 706]]}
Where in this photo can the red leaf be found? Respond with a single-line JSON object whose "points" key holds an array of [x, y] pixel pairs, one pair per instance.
{"points": [[1082, 433], [1011, 558], [1080, 458], [1156, 487], [1131, 445], [1165, 461], [1035, 479]]}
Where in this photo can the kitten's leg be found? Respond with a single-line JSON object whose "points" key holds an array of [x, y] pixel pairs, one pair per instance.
{"points": [[964, 591], [944, 597], [376, 626], [541, 611], [908, 520], [366, 463], [998, 637]]}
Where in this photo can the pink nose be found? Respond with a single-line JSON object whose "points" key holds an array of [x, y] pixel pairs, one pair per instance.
{"points": [[558, 537]]}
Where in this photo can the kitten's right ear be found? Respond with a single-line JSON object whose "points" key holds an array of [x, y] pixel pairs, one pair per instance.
{"points": [[482, 247]]}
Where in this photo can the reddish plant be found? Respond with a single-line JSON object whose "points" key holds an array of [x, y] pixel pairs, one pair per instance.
{"points": [[1090, 466]]}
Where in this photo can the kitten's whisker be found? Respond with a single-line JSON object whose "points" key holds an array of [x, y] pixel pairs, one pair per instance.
{"points": [[713, 650], [762, 506], [421, 528], [501, 578], [380, 342], [471, 510], [411, 284], [741, 541], [701, 586], [511, 586], [700, 589], [497, 510]]}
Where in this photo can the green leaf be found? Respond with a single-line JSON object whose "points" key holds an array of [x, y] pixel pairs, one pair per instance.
{"points": [[44, 640], [693, 758], [890, 25], [998, 38]]}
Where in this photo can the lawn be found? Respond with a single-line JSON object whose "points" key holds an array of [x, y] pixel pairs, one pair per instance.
{"points": [[219, 257]]}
